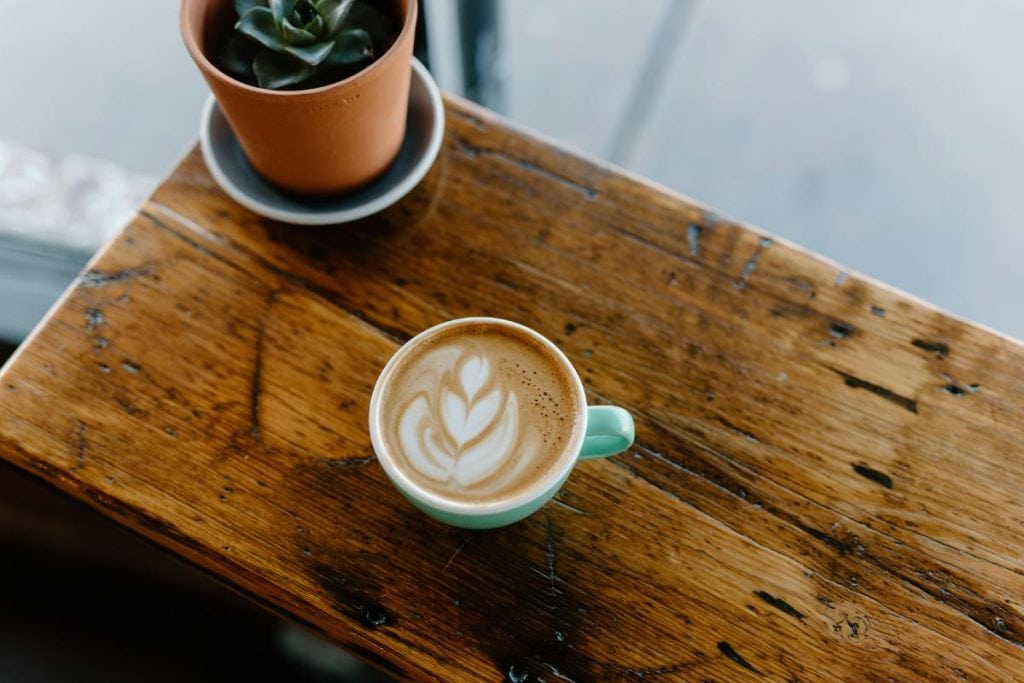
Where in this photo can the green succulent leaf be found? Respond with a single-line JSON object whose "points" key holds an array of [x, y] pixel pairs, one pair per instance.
{"points": [[258, 23], [370, 17], [275, 70], [294, 35], [243, 6], [312, 55], [281, 9], [281, 44], [304, 12], [236, 58], [334, 13], [351, 47], [323, 7], [316, 26]]}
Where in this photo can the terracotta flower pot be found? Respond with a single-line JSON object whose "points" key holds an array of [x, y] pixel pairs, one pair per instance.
{"points": [[323, 140]]}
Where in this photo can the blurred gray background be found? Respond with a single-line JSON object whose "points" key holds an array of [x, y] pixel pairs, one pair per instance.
{"points": [[888, 136]]}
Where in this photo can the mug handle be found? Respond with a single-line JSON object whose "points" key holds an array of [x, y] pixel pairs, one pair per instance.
{"points": [[609, 431]]}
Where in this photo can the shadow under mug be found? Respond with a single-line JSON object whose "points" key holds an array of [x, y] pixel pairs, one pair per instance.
{"points": [[604, 431]]}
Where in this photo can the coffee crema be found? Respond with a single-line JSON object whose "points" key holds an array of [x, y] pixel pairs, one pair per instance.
{"points": [[478, 412]]}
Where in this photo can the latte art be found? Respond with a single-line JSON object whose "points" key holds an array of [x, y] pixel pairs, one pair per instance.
{"points": [[478, 413], [463, 432]]}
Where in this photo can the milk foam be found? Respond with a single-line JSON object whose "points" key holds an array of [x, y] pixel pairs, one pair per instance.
{"points": [[455, 432], [478, 415]]}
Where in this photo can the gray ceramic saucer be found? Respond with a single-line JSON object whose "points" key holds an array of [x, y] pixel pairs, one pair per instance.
{"points": [[237, 178]]}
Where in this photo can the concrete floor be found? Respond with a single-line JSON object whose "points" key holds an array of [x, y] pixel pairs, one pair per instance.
{"points": [[887, 136]]}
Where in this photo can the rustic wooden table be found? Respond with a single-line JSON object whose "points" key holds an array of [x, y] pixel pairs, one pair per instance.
{"points": [[826, 482]]}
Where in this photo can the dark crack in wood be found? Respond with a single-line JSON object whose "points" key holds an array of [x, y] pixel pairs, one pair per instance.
{"points": [[352, 600], [730, 652], [738, 430], [98, 278], [873, 474], [693, 232], [840, 329], [940, 349], [93, 319], [751, 264], [342, 463], [848, 545], [780, 604], [889, 395]]}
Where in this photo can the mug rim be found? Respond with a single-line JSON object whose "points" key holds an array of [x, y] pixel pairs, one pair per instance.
{"points": [[435, 501]]}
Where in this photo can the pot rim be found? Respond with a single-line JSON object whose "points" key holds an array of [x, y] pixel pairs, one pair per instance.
{"points": [[197, 54]]}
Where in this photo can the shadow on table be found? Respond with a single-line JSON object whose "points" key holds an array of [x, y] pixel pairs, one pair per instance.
{"points": [[83, 600]]}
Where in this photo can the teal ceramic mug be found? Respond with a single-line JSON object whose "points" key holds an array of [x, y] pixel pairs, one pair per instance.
{"points": [[475, 400]]}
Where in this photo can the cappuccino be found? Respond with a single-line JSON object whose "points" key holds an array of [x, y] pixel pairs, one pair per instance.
{"points": [[478, 412]]}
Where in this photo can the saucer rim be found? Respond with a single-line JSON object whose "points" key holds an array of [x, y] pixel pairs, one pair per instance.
{"points": [[333, 216]]}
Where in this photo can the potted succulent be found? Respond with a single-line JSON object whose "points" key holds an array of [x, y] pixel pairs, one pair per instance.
{"points": [[315, 90]]}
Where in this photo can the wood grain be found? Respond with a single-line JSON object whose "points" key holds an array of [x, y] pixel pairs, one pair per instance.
{"points": [[826, 482]]}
